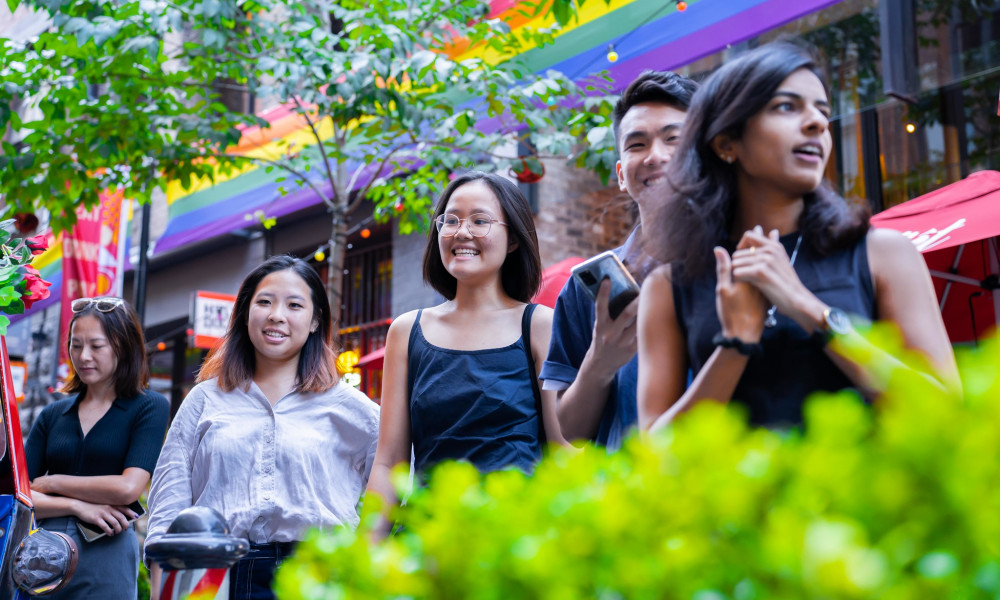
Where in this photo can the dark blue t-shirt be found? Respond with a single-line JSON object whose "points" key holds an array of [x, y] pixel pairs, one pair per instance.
{"points": [[572, 332]]}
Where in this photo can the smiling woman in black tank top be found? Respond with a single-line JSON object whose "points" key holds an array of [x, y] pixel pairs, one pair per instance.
{"points": [[460, 378], [764, 261]]}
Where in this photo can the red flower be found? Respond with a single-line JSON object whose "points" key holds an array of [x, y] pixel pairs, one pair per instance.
{"points": [[36, 288], [37, 244]]}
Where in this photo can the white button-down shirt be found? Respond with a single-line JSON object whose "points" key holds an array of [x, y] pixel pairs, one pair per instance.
{"points": [[272, 472]]}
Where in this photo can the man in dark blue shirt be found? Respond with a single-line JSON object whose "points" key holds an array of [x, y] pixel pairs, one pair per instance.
{"points": [[592, 357]]}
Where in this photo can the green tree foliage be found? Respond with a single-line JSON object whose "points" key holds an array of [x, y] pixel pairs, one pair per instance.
{"points": [[135, 93], [895, 502]]}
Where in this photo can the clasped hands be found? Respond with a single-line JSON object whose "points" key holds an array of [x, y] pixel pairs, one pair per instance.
{"points": [[758, 274]]}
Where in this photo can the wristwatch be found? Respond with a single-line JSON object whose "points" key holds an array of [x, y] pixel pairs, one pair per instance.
{"points": [[835, 322]]}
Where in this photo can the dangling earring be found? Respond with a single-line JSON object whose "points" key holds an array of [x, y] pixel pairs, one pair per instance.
{"points": [[729, 159]]}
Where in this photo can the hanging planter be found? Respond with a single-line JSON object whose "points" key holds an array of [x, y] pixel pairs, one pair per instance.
{"points": [[528, 170], [25, 222]]}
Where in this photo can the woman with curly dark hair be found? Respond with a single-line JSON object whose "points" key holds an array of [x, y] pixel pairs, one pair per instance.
{"points": [[764, 262]]}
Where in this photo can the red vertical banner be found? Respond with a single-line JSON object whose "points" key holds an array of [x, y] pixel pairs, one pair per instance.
{"points": [[93, 254]]}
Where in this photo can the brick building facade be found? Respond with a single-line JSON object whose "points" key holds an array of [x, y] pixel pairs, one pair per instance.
{"points": [[578, 215]]}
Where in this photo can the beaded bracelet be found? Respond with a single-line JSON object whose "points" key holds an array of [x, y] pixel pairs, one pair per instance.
{"points": [[744, 348]]}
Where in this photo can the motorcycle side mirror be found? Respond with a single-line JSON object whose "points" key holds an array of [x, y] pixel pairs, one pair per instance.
{"points": [[44, 562]]}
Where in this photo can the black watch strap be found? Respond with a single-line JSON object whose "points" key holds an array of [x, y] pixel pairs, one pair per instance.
{"points": [[821, 337], [744, 348], [835, 322]]}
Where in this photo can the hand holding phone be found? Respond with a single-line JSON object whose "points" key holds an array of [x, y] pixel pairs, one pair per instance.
{"points": [[91, 532], [589, 274]]}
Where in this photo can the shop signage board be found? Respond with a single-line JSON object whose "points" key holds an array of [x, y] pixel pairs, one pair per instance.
{"points": [[210, 317], [18, 374]]}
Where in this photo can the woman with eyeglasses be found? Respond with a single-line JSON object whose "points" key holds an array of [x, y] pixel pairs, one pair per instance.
{"points": [[459, 381], [90, 455], [270, 437]]}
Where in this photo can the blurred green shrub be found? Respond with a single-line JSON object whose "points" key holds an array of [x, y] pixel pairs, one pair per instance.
{"points": [[142, 584], [902, 502]]}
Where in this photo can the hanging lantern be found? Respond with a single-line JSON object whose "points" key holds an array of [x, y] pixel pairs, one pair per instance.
{"points": [[529, 170], [26, 222], [612, 54], [366, 233], [347, 360], [682, 6]]}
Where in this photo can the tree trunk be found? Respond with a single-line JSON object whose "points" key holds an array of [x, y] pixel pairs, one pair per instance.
{"points": [[335, 264]]}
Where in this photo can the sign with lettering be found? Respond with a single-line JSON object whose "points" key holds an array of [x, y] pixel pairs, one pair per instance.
{"points": [[93, 255], [210, 313], [18, 373], [933, 237]]}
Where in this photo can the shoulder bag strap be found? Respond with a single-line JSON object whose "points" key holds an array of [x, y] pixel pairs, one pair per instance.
{"points": [[526, 336]]}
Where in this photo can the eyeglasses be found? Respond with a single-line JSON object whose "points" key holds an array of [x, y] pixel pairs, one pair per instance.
{"points": [[478, 224], [104, 305]]}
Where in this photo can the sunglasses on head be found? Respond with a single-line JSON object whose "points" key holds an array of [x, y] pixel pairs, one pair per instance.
{"points": [[102, 304]]}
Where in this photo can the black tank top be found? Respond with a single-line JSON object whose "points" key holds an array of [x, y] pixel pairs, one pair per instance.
{"points": [[480, 406], [774, 385]]}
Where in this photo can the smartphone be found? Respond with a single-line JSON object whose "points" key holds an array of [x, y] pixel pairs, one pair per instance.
{"points": [[92, 532], [589, 274]]}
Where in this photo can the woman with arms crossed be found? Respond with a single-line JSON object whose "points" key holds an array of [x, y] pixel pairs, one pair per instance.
{"points": [[460, 378], [91, 455], [270, 437], [764, 261]]}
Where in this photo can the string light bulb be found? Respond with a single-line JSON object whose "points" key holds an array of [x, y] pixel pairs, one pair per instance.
{"points": [[910, 128], [682, 6], [612, 54], [366, 233], [319, 255]]}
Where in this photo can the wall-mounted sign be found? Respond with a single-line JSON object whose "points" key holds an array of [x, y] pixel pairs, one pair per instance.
{"points": [[352, 379], [210, 317], [18, 373]]}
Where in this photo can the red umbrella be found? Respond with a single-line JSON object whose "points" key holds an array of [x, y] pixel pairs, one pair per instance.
{"points": [[956, 228], [553, 279], [372, 360]]}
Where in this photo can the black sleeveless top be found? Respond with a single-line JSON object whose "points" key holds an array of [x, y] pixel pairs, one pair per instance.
{"points": [[474, 405], [774, 385]]}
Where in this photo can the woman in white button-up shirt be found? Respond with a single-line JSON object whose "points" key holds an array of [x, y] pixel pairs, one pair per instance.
{"points": [[270, 437]]}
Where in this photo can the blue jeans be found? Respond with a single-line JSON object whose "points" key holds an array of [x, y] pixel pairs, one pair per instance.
{"points": [[251, 577]]}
